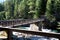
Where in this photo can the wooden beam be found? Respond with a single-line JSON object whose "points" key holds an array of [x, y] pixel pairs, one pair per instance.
{"points": [[16, 23], [56, 35], [9, 32]]}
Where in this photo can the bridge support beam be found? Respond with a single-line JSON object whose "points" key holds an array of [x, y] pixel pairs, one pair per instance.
{"points": [[9, 32]]}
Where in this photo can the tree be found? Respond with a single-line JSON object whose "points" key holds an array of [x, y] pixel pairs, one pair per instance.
{"points": [[49, 11], [17, 2], [31, 4], [1, 7], [57, 12], [50, 14], [8, 9], [57, 9], [22, 9], [2, 16], [38, 8]]}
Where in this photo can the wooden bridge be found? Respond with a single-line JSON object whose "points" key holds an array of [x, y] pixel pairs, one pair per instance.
{"points": [[17, 22], [40, 33], [12, 23]]}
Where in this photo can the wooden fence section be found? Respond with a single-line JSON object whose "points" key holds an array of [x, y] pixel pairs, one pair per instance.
{"points": [[17, 22], [40, 33]]}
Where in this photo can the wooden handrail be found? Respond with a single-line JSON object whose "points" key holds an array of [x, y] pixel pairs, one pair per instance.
{"points": [[40, 33], [18, 22]]}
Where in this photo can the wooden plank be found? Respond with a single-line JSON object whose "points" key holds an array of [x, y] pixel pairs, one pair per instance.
{"points": [[56, 35]]}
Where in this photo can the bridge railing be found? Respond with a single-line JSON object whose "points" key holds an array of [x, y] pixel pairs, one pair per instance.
{"points": [[18, 21], [40, 33]]}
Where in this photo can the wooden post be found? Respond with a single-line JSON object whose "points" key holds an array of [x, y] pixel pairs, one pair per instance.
{"points": [[59, 38], [9, 32]]}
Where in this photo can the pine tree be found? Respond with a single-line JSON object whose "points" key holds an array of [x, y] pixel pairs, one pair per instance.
{"points": [[1, 7], [38, 8], [2, 12], [22, 9], [57, 12], [16, 7], [8, 9], [57, 9], [31, 4], [49, 11]]}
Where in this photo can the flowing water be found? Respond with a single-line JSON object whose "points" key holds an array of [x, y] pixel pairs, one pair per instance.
{"points": [[34, 37]]}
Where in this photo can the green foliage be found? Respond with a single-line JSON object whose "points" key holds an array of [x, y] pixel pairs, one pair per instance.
{"points": [[38, 8], [57, 9], [1, 7], [22, 9], [49, 11], [8, 9], [31, 9], [15, 9], [2, 15], [31, 5]]}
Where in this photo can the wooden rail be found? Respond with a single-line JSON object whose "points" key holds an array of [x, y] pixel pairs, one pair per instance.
{"points": [[18, 22], [40, 33]]}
